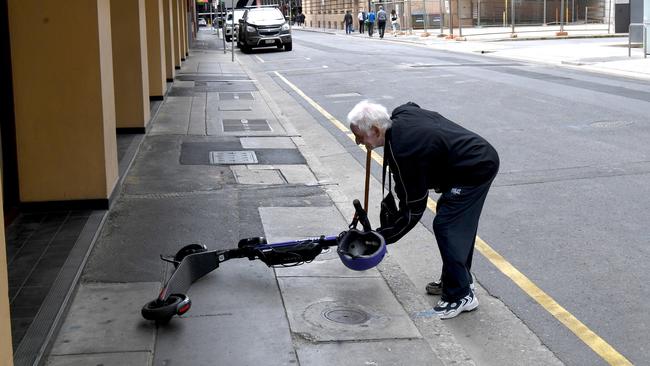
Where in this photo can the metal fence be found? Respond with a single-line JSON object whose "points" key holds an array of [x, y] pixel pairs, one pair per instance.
{"points": [[538, 12]]}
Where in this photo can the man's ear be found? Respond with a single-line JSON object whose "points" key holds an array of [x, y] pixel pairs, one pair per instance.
{"points": [[375, 130]]}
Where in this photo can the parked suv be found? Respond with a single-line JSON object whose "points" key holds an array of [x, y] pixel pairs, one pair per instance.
{"points": [[263, 27]]}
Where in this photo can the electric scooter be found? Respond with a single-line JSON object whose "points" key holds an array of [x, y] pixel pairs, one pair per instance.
{"points": [[194, 261]]}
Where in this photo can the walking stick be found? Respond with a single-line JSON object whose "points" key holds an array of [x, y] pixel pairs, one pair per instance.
{"points": [[365, 197]]}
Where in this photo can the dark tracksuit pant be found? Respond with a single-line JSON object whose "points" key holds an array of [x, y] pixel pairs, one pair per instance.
{"points": [[361, 24], [455, 227], [381, 26], [427, 151]]}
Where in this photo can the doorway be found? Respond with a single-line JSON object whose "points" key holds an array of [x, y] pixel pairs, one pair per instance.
{"points": [[8, 162]]}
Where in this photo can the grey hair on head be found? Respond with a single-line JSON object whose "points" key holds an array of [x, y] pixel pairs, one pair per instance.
{"points": [[366, 114]]}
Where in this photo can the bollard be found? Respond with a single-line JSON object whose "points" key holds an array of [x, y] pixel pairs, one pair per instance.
{"points": [[629, 39]]}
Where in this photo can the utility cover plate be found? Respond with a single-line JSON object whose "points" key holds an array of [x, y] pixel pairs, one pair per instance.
{"points": [[245, 125], [236, 96], [232, 157]]}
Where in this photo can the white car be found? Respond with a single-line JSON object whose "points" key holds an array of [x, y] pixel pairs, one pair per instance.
{"points": [[202, 22], [229, 22]]}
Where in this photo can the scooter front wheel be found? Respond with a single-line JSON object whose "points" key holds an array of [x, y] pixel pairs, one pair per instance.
{"points": [[163, 311]]}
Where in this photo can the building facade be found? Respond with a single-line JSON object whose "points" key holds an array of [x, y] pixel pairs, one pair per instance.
{"points": [[416, 14], [78, 73]]}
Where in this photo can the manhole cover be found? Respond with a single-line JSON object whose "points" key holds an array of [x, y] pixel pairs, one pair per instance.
{"points": [[346, 315], [232, 157], [245, 125], [235, 96]]}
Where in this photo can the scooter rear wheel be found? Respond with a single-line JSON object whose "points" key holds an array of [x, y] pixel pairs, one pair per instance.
{"points": [[176, 304]]}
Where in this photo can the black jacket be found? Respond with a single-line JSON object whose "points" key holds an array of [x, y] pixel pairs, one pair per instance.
{"points": [[426, 151]]}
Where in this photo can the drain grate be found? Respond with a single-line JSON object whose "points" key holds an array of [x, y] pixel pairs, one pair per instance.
{"points": [[346, 315], [232, 157], [245, 125], [236, 96]]}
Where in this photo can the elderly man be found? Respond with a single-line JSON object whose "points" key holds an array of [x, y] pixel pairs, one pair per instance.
{"points": [[424, 150]]}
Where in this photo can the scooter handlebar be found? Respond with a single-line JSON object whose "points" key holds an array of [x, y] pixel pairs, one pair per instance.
{"points": [[361, 216]]}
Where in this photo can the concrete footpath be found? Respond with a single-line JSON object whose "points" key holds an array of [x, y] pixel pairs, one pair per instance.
{"points": [[244, 313], [590, 47], [178, 192]]}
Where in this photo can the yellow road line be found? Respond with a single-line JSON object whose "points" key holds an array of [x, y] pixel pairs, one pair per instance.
{"points": [[325, 113], [591, 339]]}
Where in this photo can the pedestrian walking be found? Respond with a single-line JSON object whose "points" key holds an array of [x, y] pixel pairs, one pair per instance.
{"points": [[347, 19], [394, 24], [370, 22], [362, 19], [424, 151], [381, 21]]}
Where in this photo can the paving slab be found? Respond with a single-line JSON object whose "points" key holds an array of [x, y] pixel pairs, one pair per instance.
{"points": [[209, 67], [244, 175], [234, 105], [298, 174], [140, 228], [267, 143], [292, 173], [308, 300], [293, 223], [237, 318], [173, 116], [344, 309], [256, 109], [160, 168], [105, 317], [238, 285], [197, 116], [393, 352], [183, 84], [103, 359], [231, 68], [237, 338]]}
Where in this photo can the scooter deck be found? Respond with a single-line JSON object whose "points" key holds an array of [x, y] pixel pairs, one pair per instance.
{"points": [[192, 267]]}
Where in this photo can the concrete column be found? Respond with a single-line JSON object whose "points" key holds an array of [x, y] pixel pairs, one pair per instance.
{"points": [[169, 40], [64, 100], [156, 49], [130, 69], [179, 56], [183, 24], [6, 350]]}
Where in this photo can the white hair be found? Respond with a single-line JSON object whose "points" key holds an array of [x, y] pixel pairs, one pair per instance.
{"points": [[366, 114]]}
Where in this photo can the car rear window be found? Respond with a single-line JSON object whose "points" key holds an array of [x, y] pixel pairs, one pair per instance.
{"points": [[265, 14]]}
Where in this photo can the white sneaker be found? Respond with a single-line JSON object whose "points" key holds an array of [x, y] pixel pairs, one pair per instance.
{"points": [[448, 310]]}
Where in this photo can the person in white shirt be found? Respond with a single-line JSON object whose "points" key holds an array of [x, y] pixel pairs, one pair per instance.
{"points": [[362, 19]]}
